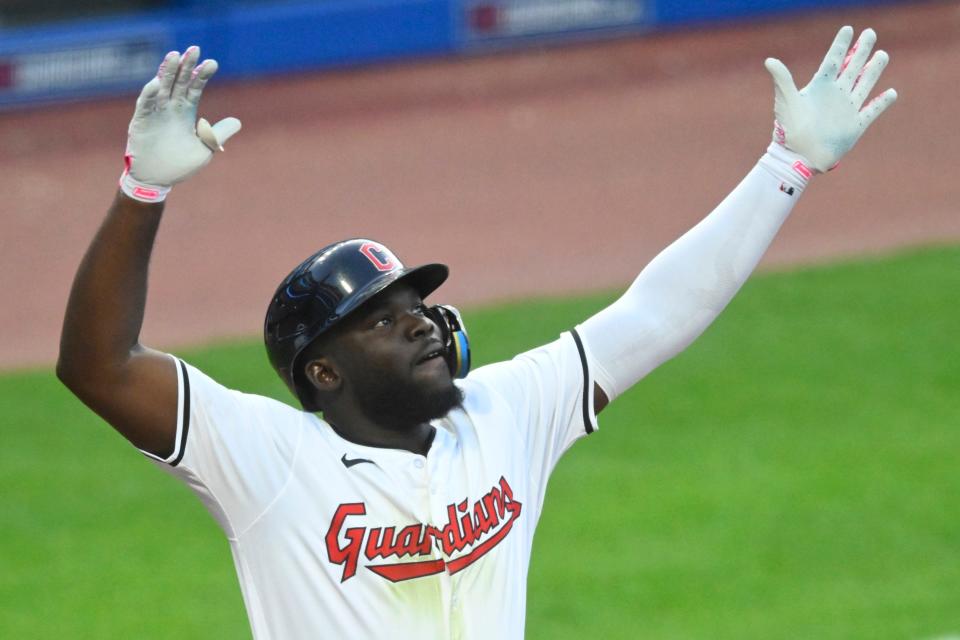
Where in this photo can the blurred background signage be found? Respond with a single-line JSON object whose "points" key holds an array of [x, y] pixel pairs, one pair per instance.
{"points": [[516, 18], [59, 71]]}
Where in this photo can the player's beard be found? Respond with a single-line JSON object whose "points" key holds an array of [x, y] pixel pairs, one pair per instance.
{"points": [[401, 404]]}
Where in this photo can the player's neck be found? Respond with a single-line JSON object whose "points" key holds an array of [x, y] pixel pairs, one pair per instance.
{"points": [[360, 430]]}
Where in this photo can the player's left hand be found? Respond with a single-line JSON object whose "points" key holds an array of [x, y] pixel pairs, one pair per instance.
{"points": [[823, 121]]}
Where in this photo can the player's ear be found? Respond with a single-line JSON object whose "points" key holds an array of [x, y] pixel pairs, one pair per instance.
{"points": [[322, 373]]}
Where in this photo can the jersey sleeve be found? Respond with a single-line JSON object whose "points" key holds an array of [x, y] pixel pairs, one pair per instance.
{"points": [[234, 450], [549, 394]]}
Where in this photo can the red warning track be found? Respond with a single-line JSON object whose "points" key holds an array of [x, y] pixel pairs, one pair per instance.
{"points": [[529, 173]]}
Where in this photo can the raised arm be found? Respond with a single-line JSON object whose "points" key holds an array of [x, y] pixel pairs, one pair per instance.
{"points": [[678, 295], [101, 360]]}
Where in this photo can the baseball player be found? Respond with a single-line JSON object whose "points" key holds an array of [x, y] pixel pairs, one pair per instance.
{"points": [[402, 499]]}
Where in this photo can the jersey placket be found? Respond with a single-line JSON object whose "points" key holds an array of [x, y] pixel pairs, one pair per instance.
{"points": [[442, 487]]}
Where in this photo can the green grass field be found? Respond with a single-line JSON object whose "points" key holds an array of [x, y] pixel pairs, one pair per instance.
{"points": [[794, 474]]}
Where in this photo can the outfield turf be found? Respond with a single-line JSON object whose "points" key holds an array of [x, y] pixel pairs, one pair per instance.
{"points": [[794, 474]]}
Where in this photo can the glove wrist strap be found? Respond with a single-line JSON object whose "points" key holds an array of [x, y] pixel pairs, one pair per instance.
{"points": [[141, 191], [788, 166]]}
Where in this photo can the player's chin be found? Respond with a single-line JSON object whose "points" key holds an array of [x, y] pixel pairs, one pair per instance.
{"points": [[443, 399]]}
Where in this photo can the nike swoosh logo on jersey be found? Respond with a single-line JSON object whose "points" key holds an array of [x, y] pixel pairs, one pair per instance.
{"points": [[349, 463]]}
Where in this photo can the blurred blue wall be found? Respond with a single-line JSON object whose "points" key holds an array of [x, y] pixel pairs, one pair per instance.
{"points": [[87, 57], [678, 12]]}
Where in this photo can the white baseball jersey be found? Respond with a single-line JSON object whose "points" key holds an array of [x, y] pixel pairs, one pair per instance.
{"points": [[333, 539]]}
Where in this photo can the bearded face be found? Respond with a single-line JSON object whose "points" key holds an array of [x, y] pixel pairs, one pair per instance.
{"points": [[388, 357], [397, 401]]}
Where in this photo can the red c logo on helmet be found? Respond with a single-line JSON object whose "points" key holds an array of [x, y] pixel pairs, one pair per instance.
{"points": [[379, 256]]}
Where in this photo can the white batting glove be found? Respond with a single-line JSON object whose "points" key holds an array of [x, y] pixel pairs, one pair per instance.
{"points": [[166, 144], [822, 121]]}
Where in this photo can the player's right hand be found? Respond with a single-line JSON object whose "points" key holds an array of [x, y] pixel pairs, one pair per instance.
{"points": [[166, 144], [823, 121]]}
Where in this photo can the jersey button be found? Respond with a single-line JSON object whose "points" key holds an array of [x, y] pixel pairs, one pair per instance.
{"points": [[418, 463]]}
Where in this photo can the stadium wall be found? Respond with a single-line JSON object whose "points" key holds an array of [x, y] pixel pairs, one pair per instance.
{"points": [[87, 58]]}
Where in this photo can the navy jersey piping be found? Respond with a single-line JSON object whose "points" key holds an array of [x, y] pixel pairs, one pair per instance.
{"points": [[587, 423], [186, 415]]}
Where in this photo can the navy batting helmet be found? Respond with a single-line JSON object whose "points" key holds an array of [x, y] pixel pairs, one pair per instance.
{"points": [[325, 288]]}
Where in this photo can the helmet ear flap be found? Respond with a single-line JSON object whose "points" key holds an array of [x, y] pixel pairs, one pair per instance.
{"points": [[456, 343]]}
